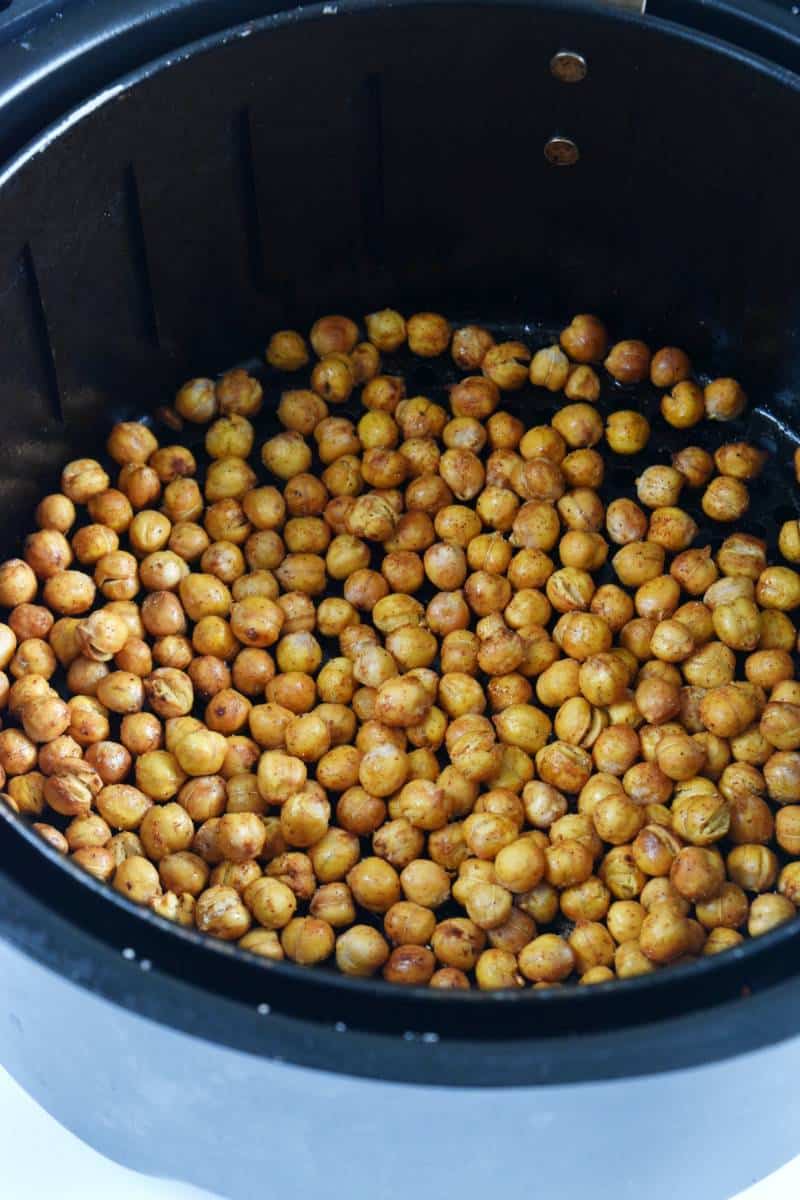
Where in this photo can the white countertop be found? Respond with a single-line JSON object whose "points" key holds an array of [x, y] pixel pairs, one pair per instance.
{"points": [[39, 1160]]}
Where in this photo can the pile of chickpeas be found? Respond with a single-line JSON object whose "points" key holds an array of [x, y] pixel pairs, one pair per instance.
{"points": [[399, 688]]}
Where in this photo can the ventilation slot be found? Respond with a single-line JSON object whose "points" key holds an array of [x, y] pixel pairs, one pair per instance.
{"points": [[41, 335]]}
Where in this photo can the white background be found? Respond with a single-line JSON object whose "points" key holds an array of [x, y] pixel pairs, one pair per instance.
{"points": [[41, 1161]]}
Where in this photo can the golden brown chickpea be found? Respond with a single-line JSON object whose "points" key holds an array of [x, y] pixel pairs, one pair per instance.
{"points": [[592, 946], [295, 870], [428, 334], [752, 867], [333, 902], [725, 499], [672, 642], [781, 776], [672, 528], [627, 432], [585, 339], [582, 384], [625, 522], [30, 621], [616, 749], [697, 873], [287, 351], [789, 882], [724, 399], [767, 912], [777, 588], [780, 725], [111, 508], [45, 719], [728, 910], [166, 829], [737, 624], [412, 965], [742, 555], [549, 368], [520, 866], [581, 509], [720, 939], [624, 920], [286, 454], [684, 406], [665, 935], [548, 958], [669, 366], [702, 819], [628, 362], [140, 483], [679, 756], [333, 378], [740, 459], [333, 335], [497, 969], [34, 656], [789, 541], [361, 951], [579, 425], [137, 879]]}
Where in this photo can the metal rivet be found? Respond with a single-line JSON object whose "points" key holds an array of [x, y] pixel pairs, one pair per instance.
{"points": [[561, 151], [568, 66]]}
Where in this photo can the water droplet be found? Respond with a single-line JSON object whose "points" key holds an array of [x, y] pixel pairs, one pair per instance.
{"points": [[263, 1010], [128, 953], [340, 1027], [409, 1036], [430, 1037], [145, 964]]}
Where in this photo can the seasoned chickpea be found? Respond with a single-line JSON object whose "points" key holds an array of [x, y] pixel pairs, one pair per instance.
{"points": [[549, 368], [769, 911], [548, 958], [579, 425], [428, 334], [627, 432], [361, 951], [137, 879], [625, 522], [725, 499]]}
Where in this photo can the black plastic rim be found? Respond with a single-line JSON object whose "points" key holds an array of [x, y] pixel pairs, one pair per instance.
{"points": [[404, 1034]]}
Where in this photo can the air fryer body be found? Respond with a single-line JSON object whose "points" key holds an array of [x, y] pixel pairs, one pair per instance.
{"points": [[341, 159]]}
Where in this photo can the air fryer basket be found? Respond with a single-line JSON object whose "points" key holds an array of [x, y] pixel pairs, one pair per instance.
{"points": [[357, 155]]}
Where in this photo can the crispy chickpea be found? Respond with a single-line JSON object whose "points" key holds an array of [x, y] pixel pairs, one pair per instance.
{"points": [[724, 399], [361, 951], [627, 432], [628, 361], [137, 879], [684, 406], [725, 499], [548, 958], [769, 911], [585, 339], [580, 425], [698, 873], [665, 935], [625, 522], [549, 368], [287, 351]]}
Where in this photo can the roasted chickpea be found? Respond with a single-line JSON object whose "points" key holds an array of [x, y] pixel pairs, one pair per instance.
{"points": [[549, 368], [724, 399], [725, 499], [627, 432]]}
